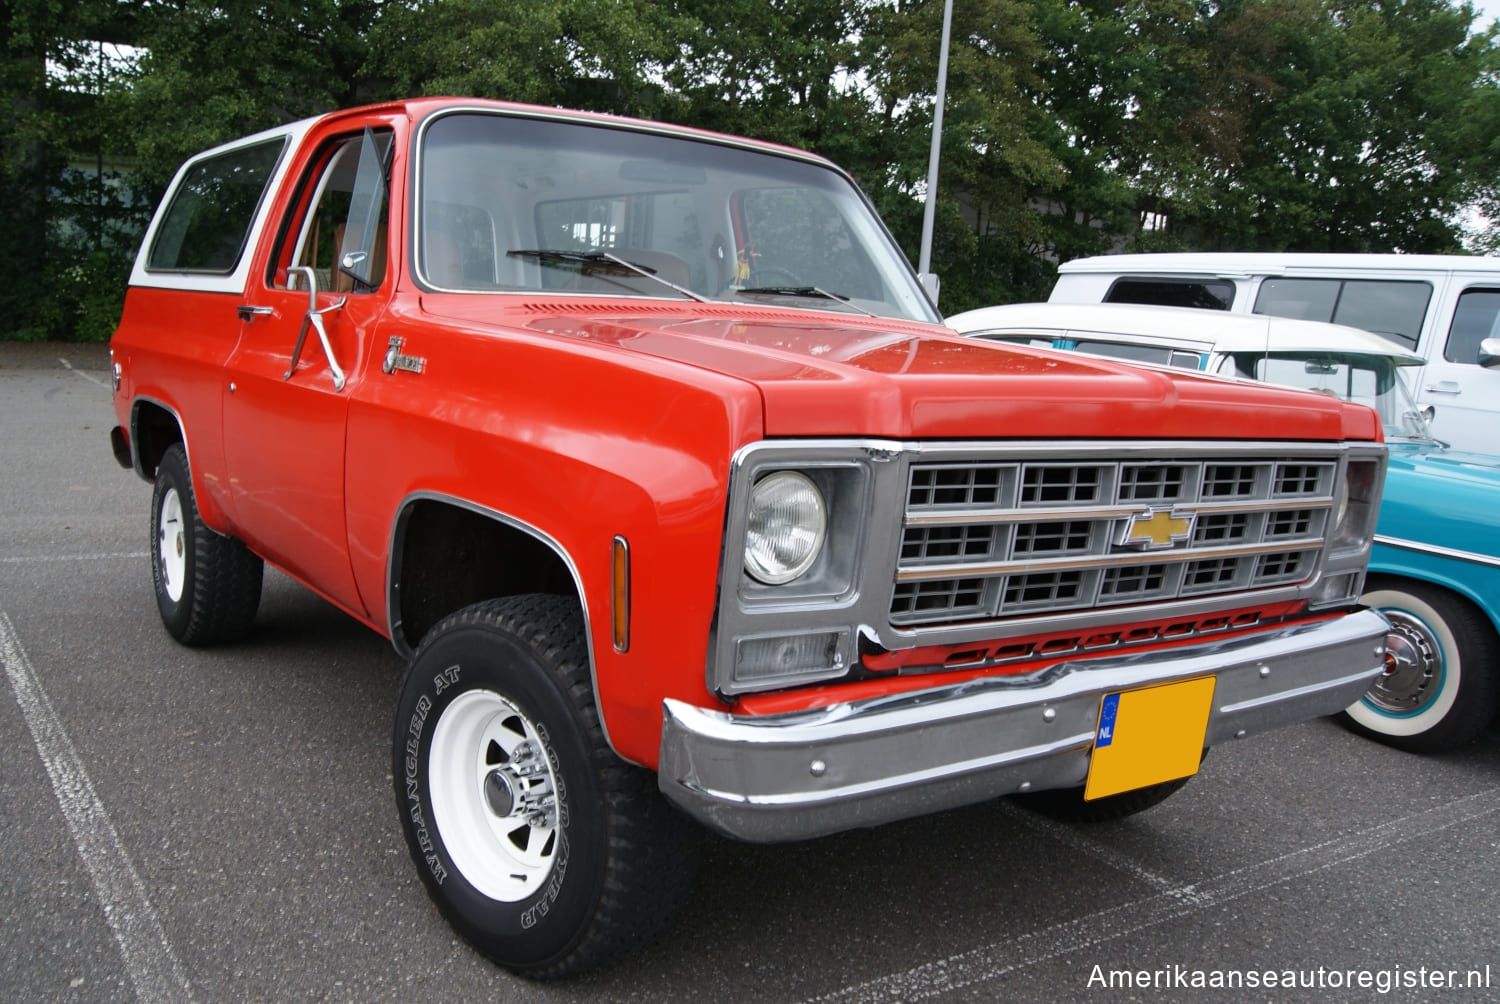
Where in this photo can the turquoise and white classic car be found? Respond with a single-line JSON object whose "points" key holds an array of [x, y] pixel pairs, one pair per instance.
{"points": [[1435, 570]]}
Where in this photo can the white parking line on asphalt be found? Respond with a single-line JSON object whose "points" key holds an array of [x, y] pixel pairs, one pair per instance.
{"points": [[73, 369], [1068, 836], [148, 956], [991, 962], [45, 558]]}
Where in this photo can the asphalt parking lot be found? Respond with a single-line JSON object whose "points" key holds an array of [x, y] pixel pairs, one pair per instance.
{"points": [[218, 825]]}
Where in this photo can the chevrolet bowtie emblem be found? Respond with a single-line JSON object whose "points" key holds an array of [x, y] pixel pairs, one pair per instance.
{"points": [[1158, 528]]}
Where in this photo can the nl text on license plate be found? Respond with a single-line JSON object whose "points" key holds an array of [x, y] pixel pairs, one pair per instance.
{"points": [[1149, 736]]}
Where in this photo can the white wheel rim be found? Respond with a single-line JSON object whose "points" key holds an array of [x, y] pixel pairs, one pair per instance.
{"points": [[171, 544], [494, 797]]}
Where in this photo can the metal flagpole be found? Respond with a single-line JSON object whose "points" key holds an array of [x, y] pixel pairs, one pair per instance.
{"points": [[929, 210]]}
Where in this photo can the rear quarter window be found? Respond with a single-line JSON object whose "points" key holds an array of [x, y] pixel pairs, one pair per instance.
{"points": [[206, 225], [1207, 294]]}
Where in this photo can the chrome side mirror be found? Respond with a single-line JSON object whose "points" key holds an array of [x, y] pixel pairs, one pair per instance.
{"points": [[314, 318], [1489, 352], [929, 281]]}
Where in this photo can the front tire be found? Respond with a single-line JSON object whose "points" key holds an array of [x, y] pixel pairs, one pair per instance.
{"points": [[207, 585], [1440, 683], [538, 844]]}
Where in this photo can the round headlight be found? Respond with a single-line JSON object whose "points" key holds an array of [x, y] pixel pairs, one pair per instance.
{"points": [[1340, 505], [785, 528]]}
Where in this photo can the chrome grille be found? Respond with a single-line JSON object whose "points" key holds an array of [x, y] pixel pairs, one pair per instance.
{"points": [[1222, 528], [1148, 483], [1053, 539], [1226, 481], [944, 486], [986, 540], [1044, 484]]}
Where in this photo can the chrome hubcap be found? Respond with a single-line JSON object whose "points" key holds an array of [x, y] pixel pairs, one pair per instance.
{"points": [[499, 793], [1413, 667]]}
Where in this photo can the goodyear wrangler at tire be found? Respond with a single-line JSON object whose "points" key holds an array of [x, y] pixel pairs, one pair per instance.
{"points": [[537, 843]]}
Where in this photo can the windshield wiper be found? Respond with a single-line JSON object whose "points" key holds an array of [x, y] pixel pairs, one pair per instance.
{"points": [[807, 291], [598, 258]]}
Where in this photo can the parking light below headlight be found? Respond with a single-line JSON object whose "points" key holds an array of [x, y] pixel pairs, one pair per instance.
{"points": [[785, 527]]}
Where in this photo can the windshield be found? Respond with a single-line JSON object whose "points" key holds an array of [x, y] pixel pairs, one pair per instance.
{"points": [[1368, 380], [515, 204]]}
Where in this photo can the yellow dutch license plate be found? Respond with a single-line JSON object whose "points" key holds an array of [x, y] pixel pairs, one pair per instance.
{"points": [[1149, 736]]}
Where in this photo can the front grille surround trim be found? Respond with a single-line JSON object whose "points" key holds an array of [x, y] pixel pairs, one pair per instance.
{"points": [[973, 521]]}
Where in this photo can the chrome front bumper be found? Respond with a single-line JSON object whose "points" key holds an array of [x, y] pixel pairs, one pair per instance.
{"points": [[804, 774]]}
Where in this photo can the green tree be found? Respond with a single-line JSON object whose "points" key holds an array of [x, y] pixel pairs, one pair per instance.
{"points": [[1093, 75], [1267, 124], [1072, 126], [1151, 105], [1479, 137], [988, 232], [215, 70], [70, 223], [778, 70], [1364, 143], [599, 55]]}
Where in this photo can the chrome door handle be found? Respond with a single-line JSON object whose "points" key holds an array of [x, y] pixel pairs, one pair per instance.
{"points": [[1444, 387]]}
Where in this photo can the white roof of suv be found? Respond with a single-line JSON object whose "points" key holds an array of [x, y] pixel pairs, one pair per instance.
{"points": [[1233, 263], [1177, 327]]}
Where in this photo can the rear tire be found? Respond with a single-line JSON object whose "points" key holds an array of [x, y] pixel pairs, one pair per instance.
{"points": [[538, 844], [1440, 686], [207, 585]]}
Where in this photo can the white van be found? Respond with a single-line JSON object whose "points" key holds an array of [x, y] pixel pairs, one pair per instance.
{"points": [[1445, 308]]}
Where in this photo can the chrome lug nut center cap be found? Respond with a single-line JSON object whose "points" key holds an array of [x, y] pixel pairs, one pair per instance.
{"points": [[499, 793]]}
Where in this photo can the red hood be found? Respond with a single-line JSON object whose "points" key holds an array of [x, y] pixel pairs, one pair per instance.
{"points": [[832, 375]]}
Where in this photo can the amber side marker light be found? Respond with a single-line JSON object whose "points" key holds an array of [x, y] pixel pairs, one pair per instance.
{"points": [[620, 593]]}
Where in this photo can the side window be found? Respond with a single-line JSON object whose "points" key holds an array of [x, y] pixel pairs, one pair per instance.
{"points": [[1017, 338], [337, 226], [1208, 294], [205, 227], [362, 245], [1391, 308], [1394, 309], [1304, 299], [1159, 355], [1477, 318]]}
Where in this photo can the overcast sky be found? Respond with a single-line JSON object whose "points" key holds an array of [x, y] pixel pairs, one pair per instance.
{"points": [[1485, 11]]}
